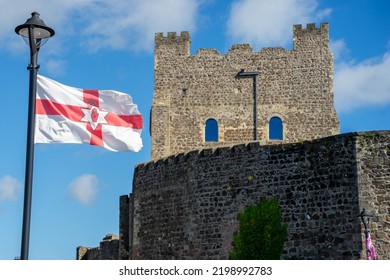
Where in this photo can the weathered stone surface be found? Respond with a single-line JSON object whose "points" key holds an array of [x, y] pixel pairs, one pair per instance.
{"points": [[186, 205], [294, 85], [108, 250]]}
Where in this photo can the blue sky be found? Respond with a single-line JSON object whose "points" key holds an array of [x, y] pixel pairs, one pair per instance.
{"points": [[109, 45]]}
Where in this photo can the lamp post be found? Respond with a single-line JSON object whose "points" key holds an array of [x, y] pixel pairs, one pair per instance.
{"points": [[370, 250], [35, 32], [243, 74]]}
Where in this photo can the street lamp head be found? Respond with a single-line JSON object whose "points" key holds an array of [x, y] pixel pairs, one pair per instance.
{"points": [[40, 30], [243, 74], [365, 217]]}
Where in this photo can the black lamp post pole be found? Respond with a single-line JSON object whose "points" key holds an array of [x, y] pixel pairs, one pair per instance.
{"points": [[33, 68], [255, 107], [253, 75], [34, 30]]}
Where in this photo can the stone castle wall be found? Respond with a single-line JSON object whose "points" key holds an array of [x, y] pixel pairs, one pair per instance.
{"points": [[124, 227], [294, 85], [108, 249], [186, 206]]}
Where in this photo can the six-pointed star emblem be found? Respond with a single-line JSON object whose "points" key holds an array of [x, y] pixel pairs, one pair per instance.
{"points": [[94, 116]]}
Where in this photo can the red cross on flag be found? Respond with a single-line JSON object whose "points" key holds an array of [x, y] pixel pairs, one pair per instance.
{"points": [[105, 118]]}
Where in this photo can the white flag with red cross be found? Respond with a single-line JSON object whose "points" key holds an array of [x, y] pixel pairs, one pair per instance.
{"points": [[105, 118]]}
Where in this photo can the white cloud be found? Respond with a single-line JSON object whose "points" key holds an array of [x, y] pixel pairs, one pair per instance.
{"points": [[9, 188], [99, 24], [56, 67], [84, 188], [362, 84], [339, 49], [132, 24], [269, 23], [56, 14]]}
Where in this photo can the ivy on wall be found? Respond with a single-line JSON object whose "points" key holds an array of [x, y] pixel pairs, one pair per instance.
{"points": [[262, 233]]}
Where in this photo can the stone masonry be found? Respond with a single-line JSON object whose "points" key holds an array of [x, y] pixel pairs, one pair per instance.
{"points": [[108, 250], [185, 206], [294, 85]]}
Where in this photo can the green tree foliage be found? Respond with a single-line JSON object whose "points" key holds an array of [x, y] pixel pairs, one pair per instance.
{"points": [[262, 232]]}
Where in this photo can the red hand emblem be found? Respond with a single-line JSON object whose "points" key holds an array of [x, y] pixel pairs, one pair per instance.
{"points": [[94, 115]]}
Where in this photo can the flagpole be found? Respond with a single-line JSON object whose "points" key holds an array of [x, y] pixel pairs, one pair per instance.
{"points": [[35, 31]]}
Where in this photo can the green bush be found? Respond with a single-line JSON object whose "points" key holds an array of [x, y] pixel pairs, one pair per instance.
{"points": [[262, 233]]}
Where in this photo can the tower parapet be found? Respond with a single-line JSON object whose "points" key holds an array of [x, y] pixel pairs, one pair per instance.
{"points": [[171, 46], [311, 37], [172, 37]]}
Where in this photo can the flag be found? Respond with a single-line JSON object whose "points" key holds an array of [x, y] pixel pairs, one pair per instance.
{"points": [[371, 255], [105, 118]]}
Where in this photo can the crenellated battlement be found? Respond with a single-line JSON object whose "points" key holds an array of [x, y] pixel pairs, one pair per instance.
{"points": [[172, 37], [170, 47], [311, 27], [311, 36]]}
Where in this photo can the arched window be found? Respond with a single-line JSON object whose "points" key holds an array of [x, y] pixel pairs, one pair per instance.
{"points": [[275, 128], [211, 131]]}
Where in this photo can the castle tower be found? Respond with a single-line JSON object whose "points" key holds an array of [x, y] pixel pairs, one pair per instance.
{"points": [[200, 102]]}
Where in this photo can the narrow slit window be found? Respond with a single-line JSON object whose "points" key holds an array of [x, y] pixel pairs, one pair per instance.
{"points": [[275, 128], [211, 131]]}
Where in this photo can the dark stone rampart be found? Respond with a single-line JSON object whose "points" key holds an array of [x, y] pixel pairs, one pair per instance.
{"points": [[185, 206]]}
